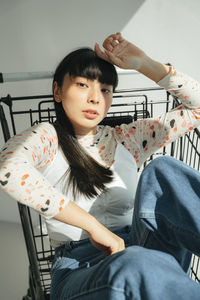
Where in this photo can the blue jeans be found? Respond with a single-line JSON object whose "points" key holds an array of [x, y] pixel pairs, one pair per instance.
{"points": [[164, 234]]}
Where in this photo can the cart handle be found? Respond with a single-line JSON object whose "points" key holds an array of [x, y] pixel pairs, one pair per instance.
{"points": [[21, 76]]}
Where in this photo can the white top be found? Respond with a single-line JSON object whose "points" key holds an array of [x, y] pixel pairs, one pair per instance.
{"points": [[113, 207]]}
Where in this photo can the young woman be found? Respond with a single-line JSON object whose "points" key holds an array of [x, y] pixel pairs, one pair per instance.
{"points": [[82, 177]]}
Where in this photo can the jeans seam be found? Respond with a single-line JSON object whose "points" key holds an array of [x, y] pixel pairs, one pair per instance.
{"points": [[62, 258], [120, 290], [144, 237], [172, 225]]}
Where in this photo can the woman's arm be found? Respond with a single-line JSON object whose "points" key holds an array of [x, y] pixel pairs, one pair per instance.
{"points": [[144, 137], [20, 160], [126, 55], [102, 238]]}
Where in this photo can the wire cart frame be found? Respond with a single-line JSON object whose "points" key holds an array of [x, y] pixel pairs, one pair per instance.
{"points": [[127, 105]]}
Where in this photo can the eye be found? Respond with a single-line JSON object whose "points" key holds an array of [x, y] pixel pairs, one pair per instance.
{"points": [[81, 84], [106, 91]]}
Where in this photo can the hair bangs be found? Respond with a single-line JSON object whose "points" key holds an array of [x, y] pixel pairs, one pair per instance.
{"points": [[84, 62], [92, 67]]}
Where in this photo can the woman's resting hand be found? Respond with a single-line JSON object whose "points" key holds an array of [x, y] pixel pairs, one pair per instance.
{"points": [[105, 240], [102, 238]]}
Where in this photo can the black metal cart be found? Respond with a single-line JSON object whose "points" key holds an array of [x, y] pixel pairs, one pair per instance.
{"points": [[128, 105]]}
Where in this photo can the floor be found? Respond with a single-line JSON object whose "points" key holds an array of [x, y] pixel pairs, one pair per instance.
{"points": [[13, 262]]}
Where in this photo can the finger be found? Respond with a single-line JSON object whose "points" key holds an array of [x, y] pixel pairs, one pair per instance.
{"points": [[109, 40], [114, 43], [116, 37], [107, 44], [112, 58], [119, 37], [100, 53]]}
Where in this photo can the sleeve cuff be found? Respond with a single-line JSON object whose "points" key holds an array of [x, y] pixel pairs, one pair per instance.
{"points": [[165, 81]]}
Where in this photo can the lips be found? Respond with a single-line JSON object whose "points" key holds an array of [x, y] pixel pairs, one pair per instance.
{"points": [[90, 114], [91, 111]]}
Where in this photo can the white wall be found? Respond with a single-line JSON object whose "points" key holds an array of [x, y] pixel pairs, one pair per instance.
{"points": [[36, 34], [168, 31]]}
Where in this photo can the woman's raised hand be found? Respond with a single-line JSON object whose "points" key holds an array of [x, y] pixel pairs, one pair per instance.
{"points": [[120, 52], [126, 55], [102, 238]]}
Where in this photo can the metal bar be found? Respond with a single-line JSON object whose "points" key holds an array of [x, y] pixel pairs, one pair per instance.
{"points": [[28, 111], [1, 78], [12, 120], [4, 124], [5, 99], [148, 89], [30, 246], [24, 76]]}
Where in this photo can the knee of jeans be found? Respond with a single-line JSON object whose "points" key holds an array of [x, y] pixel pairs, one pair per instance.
{"points": [[133, 259], [162, 163], [122, 268], [134, 265], [163, 160], [138, 259]]}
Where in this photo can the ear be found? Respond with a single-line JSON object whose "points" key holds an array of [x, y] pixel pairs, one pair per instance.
{"points": [[56, 92]]}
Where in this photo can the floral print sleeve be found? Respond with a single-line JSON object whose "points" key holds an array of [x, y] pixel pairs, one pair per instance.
{"points": [[143, 137], [20, 160]]}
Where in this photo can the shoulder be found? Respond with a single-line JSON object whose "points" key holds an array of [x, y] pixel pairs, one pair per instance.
{"points": [[44, 130], [41, 133], [105, 131], [44, 127]]}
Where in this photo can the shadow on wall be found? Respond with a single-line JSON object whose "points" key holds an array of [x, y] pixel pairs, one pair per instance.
{"points": [[39, 33]]}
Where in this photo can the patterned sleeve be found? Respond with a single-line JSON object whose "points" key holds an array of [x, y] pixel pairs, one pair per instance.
{"points": [[20, 160], [143, 137]]}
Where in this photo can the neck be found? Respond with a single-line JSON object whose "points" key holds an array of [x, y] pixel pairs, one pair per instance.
{"points": [[85, 132]]}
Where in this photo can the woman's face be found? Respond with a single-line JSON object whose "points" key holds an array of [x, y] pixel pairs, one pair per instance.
{"points": [[85, 102]]}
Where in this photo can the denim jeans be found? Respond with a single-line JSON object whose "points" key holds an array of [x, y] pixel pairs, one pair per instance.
{"points": [[164, 233]]}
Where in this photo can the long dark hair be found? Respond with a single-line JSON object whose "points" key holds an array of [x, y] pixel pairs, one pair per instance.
{"points": [[86, 176]]}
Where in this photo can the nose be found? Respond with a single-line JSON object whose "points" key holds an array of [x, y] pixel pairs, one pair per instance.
{"points": [[93, 101], [94, 96]]}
